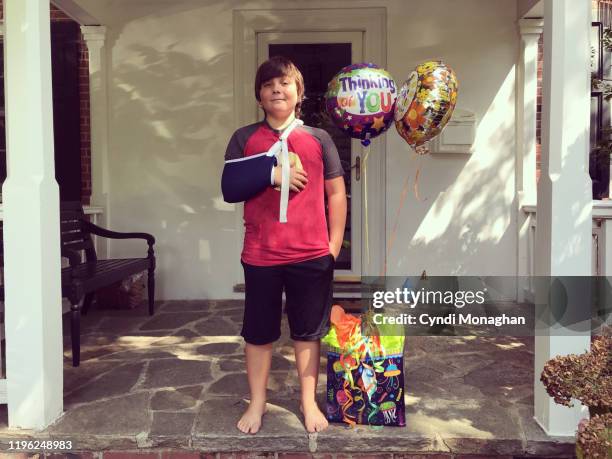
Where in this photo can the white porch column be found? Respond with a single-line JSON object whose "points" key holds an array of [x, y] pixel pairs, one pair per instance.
{"points": [[563, 232], [527, 88], [606, 265], [95, 37], [33, 304], [530, 30]]}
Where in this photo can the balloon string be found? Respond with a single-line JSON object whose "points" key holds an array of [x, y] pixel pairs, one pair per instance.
{"points": [[419, 152], [365, 204], [395, 223], [367, 153], [416, 184]]}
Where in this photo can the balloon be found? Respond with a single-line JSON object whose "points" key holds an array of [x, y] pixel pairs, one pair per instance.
{"points": [[360, 100], [425, 102]]}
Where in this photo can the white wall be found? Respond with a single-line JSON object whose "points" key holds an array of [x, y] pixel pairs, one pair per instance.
{"points": [[464, 222], [172, 115]]}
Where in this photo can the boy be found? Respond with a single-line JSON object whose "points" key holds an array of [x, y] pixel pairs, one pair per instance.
{"points": [[286, 241]]}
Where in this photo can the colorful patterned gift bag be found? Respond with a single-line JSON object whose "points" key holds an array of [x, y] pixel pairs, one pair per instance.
{"points": [[365, 380]]}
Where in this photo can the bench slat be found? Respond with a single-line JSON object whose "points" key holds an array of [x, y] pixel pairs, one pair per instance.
{"points": [[66, 206], [100, 267], [70, 216], [70, 225], [94, 275], [79, 245], [74, 236]]}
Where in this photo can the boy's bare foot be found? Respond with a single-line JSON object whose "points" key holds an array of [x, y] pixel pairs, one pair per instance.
{"points": [[250, 422], [314, 419]]}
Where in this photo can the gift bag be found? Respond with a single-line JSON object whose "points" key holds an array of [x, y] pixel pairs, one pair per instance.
{"points": [[370, 391], [365, 379]]}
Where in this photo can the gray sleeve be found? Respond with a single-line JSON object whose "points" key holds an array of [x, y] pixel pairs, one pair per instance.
{"points": [[332, 167], [235, 147], [234, 150]]}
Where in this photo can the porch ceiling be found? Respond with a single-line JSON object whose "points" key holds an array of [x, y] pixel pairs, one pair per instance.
{"points": [[105, 12], [531, 8]]}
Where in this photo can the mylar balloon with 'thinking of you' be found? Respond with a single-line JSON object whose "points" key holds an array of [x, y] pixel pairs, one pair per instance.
{"points": [[425, 102], [360, 100]]}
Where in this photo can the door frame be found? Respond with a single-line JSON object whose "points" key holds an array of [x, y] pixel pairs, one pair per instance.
{"points": [[355, 38], [371, 22]]}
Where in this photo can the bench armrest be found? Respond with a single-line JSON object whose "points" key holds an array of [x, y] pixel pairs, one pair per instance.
{"points": [[99, 231]]}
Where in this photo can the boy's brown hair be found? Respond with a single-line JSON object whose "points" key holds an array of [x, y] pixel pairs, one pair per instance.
{"points": [[279, 66]]}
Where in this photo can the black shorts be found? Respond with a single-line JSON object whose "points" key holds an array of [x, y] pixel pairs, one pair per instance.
{"points": [[308, 291]]}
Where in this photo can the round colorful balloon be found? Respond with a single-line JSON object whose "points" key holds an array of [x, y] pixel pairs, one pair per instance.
{"points": [[360, 100], [425, 102]]}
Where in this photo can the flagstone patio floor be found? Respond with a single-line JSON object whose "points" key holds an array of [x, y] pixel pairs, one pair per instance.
{"points": [[176, 380]]}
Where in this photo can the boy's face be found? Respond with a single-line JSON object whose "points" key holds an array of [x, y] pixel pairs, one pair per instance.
{"points": [[279, 96]]}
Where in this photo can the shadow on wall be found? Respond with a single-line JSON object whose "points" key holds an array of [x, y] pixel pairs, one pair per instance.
{"points": [[463, 220], [171, 99], [171, 153]]}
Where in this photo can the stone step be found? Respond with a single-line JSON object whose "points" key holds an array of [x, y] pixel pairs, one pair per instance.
{"points": [[342, 289], [196, 454]]}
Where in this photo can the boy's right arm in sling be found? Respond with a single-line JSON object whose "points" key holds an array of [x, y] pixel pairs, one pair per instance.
{"points": [[245, 176]]}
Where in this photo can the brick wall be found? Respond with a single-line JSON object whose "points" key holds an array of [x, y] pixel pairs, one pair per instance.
{"points": [[539, 107], [84, 122], [58, 15]]}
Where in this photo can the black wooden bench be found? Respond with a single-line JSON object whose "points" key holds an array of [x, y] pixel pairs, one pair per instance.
{"points": [[81, 279]]}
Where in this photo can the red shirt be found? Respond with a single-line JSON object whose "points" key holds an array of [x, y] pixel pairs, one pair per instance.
{"points": [[305, 236]]}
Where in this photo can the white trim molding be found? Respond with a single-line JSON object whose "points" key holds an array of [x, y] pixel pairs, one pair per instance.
{"points": [[531, 26], [95, 34], [526, 117]]}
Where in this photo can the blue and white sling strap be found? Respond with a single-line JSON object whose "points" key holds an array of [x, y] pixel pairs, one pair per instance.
{"points": [[281, 145], [243, 178]]}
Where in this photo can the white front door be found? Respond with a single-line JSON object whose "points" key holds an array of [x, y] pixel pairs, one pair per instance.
{"points": [[319, 56]]}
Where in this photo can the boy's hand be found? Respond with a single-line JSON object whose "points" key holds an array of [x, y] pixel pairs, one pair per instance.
{"points": [[297, 178], [334, 249]]}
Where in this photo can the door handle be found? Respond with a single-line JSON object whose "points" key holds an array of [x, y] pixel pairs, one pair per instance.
{"points": [[357, 168]]}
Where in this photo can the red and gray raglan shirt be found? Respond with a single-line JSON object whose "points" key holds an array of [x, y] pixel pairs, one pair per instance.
{"points": [[267, 241]]}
